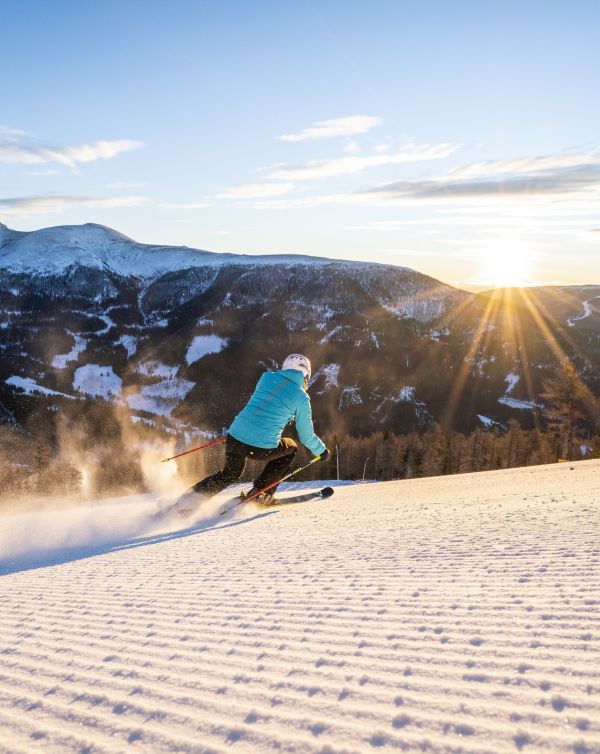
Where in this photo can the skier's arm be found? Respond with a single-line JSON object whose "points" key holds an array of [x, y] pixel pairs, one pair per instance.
{"points": [[305, 429]]}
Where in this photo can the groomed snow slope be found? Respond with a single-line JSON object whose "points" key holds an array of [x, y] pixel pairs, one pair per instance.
{"points": [[456, 614]]}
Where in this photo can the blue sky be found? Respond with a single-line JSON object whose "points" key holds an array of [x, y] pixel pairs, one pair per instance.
{"points": [[460, 139]]}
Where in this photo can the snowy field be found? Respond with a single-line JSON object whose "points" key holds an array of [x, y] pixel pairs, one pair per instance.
{"points": [[456, 614]]}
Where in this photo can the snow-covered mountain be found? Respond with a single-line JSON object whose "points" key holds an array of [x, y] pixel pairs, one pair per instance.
{"points": [[91, 255], [177, 337], [52, 251], [452, 615]]}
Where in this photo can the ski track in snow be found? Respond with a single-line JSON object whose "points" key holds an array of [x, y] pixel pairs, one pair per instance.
{"points": [[454, 615]]}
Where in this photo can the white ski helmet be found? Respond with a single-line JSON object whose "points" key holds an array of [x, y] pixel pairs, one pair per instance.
{"points": [[299, 362]]}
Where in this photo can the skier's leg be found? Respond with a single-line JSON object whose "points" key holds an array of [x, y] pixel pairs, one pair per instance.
{"points": [[280, 462], [235, 461]]}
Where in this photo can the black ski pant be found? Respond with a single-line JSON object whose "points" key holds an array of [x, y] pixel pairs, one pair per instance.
{"points": [[279, 459]]}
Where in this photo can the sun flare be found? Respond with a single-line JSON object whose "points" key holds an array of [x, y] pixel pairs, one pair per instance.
{"points": [[506, 264]]}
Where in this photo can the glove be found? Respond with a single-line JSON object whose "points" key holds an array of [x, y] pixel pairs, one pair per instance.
{"points": [[325, 455]]}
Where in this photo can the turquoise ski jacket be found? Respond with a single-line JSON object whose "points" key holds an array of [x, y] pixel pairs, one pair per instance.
{"points": [[279, 398]]}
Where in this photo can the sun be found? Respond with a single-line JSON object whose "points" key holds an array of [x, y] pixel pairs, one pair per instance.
{"points": [[505, 264]]}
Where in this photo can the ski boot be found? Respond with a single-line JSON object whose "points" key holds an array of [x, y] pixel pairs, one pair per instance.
{"points": [[264, 499]]}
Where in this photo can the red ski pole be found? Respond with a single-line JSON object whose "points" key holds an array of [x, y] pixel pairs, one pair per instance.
{"points": [[193, 450]]}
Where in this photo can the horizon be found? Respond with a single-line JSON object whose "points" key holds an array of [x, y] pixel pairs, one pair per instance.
{"points": [[465, 149]]}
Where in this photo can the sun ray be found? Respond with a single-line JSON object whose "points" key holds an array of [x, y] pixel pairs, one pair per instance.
{"points": [[459, 382], [525, 364], [559, 353]]}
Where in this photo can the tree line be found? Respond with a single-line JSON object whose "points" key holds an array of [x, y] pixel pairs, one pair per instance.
{"points": [[567, 429]]}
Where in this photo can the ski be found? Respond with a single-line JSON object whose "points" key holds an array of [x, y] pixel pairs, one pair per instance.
{"points": [[316, 495], [321, 494]]}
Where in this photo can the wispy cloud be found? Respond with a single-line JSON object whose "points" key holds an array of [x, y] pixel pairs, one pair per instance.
{"points": [[570, 176], [351, 146], [307, 202], [424, 253], [327, 129], [41, 205], [356, 164], [394, 225], [530, 190], [490, 222], [18, 148], [191, 205], [560, 182], [529, 165], [6, 132], [257, 190], [46, 172], [69, 156], [125, 184]]}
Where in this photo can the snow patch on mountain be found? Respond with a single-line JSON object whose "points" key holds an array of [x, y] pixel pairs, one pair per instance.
{"points": [[108, 324], [330, 372], [506, 400], [202, 345], [404, 395], [60, 361], [511, 380], [161, 398], [436, 334], [422, 309], [408, 395], [350, 397], [157, 322], [157, 369], [29, 387], [129, 342], [97, 381], [332, 334], [489, 423]]}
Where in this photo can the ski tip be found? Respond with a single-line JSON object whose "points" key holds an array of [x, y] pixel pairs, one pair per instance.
{"points": [[326, 492]]}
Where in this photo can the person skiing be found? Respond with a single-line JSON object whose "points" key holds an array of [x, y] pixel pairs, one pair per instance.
{"points": [[255, 433]]}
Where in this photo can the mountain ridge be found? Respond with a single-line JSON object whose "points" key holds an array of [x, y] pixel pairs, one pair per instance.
{"points": [[71, 239]]}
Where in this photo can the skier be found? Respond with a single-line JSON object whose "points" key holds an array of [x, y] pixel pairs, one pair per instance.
{"points": [[279, 397]]}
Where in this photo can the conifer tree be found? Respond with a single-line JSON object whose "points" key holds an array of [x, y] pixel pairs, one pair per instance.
{"points": [[435, 452], [563, 396], [595, 451], [514, 439]]}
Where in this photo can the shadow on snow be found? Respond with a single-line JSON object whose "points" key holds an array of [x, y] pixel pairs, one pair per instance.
{"points": [[71, 554]]}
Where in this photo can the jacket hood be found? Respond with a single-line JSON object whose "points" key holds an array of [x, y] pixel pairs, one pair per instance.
{"points": [[293, 375]]}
